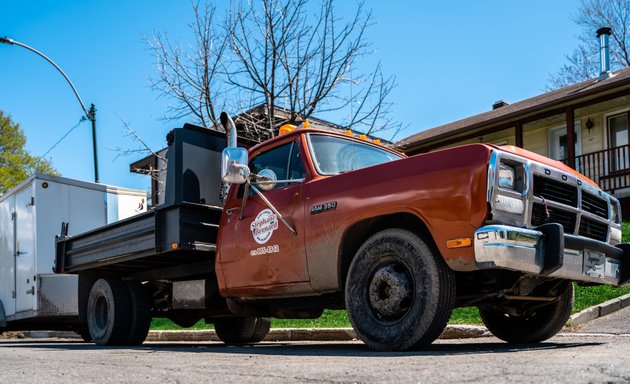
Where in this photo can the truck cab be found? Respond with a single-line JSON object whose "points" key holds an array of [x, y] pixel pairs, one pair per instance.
{"points": [[261, 256]]}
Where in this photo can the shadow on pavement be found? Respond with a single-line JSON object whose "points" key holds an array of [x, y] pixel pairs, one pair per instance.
{"points": [[303, 348]]}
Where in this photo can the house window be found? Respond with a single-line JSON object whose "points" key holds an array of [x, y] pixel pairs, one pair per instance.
{"points": [[618, 134], [618, 127], [558, 142]]}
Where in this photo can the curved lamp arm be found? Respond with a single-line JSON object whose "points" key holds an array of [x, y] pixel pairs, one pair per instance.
{"points": [[6, 40]]}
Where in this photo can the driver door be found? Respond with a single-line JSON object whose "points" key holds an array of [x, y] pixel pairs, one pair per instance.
{"points": [[257, 249]]}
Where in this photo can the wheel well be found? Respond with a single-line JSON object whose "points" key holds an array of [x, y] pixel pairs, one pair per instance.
{"points": [[356, 235]]}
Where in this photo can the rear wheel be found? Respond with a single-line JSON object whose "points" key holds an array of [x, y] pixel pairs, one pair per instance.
{"points": [[533, 322], [108, 312], [140, 312], [242, 330], [399, 292], [85, 334]]}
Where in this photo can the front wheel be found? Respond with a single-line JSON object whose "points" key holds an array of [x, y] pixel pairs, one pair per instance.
{"points": [[532, 322], [399, 292], [242, 330]]}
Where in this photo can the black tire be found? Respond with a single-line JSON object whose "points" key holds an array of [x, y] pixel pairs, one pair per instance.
{"points": [[85, 334], [399, 292], [242, 330], [140, 311], [108, 312], [185, 319], [532, 326]]}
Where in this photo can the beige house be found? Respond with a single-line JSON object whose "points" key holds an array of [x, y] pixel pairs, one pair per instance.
{"points": [[584, 125]]}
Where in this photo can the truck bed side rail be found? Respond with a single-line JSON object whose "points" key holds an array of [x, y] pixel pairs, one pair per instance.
{"points": [[165, 237]]}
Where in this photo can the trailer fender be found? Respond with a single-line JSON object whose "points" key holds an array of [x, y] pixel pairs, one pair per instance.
{"points": [[3, 317]]}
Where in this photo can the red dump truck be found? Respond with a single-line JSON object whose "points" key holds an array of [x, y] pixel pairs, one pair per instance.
{"points": [[313, 220]]}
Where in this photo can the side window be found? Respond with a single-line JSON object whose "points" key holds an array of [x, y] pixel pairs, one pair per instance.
{"points": [[285, 161], [296, 166]]}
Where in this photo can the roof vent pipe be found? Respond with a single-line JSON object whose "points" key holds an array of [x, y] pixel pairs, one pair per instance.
{"points": [[604, 53]]}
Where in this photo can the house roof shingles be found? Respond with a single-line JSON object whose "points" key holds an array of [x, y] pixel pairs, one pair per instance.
{"points": [[591, 87]]}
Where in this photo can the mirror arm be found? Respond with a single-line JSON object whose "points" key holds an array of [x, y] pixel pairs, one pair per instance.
{"points": [[245, 194], [271, 207], [278, 181]]}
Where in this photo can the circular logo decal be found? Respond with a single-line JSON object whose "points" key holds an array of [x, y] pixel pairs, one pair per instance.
{"points": [[262, 228]]}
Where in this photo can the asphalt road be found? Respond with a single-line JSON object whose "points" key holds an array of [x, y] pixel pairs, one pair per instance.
{"points": [[595, 352], [568, 358]]}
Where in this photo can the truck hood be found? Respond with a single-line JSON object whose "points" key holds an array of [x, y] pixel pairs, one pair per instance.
{"points": [[545, 160]]}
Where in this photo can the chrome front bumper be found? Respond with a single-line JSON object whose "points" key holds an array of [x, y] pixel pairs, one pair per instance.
{"points": [[547, 251]]}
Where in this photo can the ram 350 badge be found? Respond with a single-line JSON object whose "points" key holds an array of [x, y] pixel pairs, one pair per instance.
{"points": [[325, 207]]}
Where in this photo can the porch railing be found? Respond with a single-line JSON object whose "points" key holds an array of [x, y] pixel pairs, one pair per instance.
{"points": [[610, 168]]}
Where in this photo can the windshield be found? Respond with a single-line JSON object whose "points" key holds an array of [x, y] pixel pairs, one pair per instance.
{"points": [[334, 155]]}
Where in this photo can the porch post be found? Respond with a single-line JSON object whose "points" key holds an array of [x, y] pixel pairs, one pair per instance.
{"points": [[570, 138], [518, 134]]}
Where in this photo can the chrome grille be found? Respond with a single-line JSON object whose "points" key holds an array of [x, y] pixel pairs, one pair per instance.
{"points": [[554, 190], [595, 205], [565, 218], [577, 209], [593, 229]]}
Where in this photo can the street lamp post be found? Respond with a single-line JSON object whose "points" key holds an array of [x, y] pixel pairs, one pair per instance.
{"points": [[89, 114]]}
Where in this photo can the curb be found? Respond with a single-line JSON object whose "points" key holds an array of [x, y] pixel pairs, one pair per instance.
{"points": [[600, 310], [275, 334], [310, 334]]}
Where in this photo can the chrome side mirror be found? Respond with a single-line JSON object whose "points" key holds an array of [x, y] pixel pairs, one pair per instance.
{"points": [[234, 169], [266, 179]]}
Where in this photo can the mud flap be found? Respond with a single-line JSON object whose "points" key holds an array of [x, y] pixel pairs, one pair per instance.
{"points": [[553, 247], [624, 268], [3, 316]]}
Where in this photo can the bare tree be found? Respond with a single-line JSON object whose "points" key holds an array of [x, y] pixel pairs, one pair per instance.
{"points": [[191, 76], [275, 62], [583, 63]]}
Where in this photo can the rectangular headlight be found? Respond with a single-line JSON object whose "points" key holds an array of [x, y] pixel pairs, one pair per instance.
{"points": [[507, 176]]}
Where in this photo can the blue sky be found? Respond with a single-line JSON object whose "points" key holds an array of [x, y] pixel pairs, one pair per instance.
{"points": [[452, 59]]}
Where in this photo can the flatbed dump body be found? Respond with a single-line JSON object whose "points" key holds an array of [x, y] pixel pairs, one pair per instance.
{"points": [[167, 242], [176, 239]]}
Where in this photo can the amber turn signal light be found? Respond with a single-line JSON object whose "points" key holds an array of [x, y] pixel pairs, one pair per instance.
{"points": [[459, 243]]}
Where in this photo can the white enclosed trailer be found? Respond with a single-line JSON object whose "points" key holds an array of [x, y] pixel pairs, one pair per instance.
{"points": [[31, 295]]}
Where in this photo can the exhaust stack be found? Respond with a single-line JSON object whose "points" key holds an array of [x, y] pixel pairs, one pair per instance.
{"points": [[604, 52], [230, 129]]}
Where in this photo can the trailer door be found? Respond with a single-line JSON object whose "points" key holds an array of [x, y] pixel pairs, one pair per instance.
{"points": [[24, 251], [7, 256]]}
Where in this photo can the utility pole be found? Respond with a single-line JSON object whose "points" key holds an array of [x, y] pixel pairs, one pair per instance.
{"points": [[92, 117]]}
